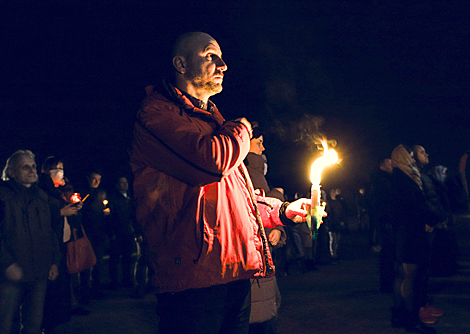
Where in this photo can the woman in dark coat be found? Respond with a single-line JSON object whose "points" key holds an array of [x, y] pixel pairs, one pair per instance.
{"points": [[410, 219], [265, 295], [58, 303]]}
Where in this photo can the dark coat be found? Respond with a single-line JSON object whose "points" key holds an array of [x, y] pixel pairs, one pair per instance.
{"points": [[433, 201], [335, 219], [410, 216], [255, 165], [122, 219], [380, 209], [26, 235]]}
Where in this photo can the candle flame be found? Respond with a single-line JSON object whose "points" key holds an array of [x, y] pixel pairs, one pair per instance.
{"points": [[105, 202], [329, 157], [75, 198]]}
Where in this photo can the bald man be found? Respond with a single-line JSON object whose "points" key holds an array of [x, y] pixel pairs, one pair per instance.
{"points": [[195, 201]]}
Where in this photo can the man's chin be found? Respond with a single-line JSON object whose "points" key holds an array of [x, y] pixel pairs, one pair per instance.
{"points": [[215, 88]]}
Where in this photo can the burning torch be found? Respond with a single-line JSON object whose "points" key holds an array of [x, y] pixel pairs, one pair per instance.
{"points": [[317, 210]]}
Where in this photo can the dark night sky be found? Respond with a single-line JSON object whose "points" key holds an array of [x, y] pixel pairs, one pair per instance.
{"points": [[377, 74]]}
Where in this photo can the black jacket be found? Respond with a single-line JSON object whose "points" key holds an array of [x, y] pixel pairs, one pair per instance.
{"points": [[26, 235]]}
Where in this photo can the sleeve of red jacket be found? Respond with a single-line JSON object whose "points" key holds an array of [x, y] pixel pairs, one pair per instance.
{"points": [[176, 146], [268, 208]]}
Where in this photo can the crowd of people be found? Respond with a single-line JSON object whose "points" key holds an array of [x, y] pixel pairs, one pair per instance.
{"points": [[410, 208], [206, 225], [40, 215]]}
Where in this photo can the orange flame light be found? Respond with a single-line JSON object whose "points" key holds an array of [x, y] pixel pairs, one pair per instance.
{"points": [[75, 198], [329, 157]]}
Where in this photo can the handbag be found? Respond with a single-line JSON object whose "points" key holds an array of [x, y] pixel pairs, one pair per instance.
{"points": [[80, 254]]}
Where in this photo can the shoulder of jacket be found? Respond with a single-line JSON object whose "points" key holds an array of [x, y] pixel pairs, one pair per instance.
{"points": [[43, 195], [5, 191], [159, 102]]}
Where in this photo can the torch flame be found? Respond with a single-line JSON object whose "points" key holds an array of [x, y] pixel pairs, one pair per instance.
{"points": [[329, 157]]}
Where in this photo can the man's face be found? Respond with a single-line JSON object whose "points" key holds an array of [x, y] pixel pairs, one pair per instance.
{"points": [[122, 184], [256, 145], [94, 180], [25, 172], [205, 67], [421, 156]]}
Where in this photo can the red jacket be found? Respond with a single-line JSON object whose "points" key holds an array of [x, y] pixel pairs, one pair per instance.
{"points": [[193, 195]]}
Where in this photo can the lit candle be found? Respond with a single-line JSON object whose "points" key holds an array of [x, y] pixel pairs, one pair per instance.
{"points": [[75, 198], [106, 210], [329, 157]]}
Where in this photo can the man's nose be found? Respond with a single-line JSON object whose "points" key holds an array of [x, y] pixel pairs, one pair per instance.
{"points": [[221, 65]]}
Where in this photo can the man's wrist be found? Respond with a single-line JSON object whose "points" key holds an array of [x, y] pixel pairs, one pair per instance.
{"points": [[282, 214]]}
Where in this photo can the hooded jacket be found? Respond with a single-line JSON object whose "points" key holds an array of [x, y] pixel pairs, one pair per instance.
{"points": [[26, 235], [194, 195]]}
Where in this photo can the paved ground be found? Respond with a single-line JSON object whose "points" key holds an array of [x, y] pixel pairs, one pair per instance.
{"points": [[338, 298]]}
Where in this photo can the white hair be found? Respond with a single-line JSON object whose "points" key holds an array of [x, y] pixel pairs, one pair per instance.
{"points": [[12, 161]]}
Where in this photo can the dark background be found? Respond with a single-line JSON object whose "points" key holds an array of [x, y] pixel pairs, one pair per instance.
{"points": [[370, 75]]}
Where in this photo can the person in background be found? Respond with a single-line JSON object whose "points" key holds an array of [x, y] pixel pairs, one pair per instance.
{"points": [[265, 294], [70, 197], [58, 304], [380, 212], [195, 200], [121, 230], [94, 212], [335, 221], [445, 250], [439, 216], [410, 216], [29, 250], [362, 210]]}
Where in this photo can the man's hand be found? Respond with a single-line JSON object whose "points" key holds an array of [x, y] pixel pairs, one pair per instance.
{"points": [[297, 211], [274, 237], [14, 272], [53, 272], [69, 210], [247, 124]]}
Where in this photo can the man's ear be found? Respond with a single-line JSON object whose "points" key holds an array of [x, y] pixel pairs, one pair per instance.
{"points": [[180, 64]]}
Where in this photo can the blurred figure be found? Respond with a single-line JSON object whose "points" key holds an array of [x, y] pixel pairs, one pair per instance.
{"points": [[94, 212], [411, 217], [362, 210], [445, 250], [336, 221], [381, 222], [438, 217], [29, 248], [265, 295], [58, 306], [121, 230]]}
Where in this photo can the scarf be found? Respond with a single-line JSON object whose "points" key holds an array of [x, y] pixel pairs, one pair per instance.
{"points": [[403, 160]]}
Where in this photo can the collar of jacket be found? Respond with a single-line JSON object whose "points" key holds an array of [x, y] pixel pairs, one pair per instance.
{"points": [[20, 189], [175, 95]]}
